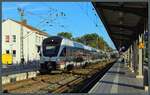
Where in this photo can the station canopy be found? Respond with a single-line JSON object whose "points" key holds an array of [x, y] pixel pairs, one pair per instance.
{"points": [[123, 21]]}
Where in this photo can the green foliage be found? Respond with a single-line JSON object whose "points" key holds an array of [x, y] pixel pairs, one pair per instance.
{"points": [[94, 40], [65, 34], [51, 88]]}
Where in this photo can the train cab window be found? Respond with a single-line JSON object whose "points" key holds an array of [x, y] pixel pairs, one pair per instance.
{"points": [[63, 53]]}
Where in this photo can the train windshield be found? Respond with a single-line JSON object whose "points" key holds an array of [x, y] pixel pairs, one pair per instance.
{"points": [[51, 47]]}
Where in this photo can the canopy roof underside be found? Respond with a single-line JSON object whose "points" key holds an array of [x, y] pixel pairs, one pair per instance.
{"points": [[123, 21]]}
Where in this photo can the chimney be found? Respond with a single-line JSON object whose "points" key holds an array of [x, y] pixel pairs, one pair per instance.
{"points": [[24, 21]]}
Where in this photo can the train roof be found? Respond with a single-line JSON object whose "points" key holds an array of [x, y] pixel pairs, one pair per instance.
{"points": [[71, 43]]}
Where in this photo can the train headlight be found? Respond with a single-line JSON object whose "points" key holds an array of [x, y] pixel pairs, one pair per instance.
{"points": [[58, 59]]}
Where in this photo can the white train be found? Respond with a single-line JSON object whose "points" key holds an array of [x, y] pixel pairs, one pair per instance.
{"points": [[59, 53]]}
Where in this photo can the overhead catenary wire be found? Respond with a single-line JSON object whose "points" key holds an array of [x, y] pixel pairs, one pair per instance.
{"points": [[60, 25], [48, 22], [50, 14], [91, 19], [40, 23], [31, 13], [45, 18], [28, 13], [95, 22], [51, 21]]}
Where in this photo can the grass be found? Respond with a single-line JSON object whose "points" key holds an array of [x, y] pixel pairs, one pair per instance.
{"points": [[89, 76], [22, 86], [51, 88], [70, 75]]}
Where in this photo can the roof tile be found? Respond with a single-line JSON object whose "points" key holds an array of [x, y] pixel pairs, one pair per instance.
{"points": [[32, 28]]}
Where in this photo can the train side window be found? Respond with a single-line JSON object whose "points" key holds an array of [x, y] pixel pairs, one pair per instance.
{"points": [[63, 53], [74, 51], [71, 51], [68, 51]]}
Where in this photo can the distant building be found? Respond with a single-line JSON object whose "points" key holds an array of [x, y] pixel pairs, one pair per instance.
{"points": [[32, 39]]}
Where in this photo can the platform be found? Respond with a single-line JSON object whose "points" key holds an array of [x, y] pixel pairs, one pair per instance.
{"points": [[119, 79]]}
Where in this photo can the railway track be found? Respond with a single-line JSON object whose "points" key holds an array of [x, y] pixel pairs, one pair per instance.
{"points": [[85, 86], [37, 83], [58, 83], [95, 78]]}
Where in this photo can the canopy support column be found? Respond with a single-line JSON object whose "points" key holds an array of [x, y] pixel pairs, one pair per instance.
{"points": [[140, 65]]}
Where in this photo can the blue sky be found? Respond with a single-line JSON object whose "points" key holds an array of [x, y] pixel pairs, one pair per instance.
{"points": [[78, 18]]}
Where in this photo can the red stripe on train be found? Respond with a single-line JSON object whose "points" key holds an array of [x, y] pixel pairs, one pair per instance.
{"points": [[61, 63]]}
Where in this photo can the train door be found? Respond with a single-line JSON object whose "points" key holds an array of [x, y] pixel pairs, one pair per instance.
{"points": [[63, 57]]}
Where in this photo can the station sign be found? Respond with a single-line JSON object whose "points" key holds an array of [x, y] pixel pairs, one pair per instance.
{"points": [[121, 53], [122, 49], [141, 45]]}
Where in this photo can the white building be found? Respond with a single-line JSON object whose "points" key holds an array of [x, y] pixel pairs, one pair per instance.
{"points": [[31, 41]]}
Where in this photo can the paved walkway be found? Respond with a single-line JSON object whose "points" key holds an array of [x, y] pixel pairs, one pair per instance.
{"points": [[119, 79]]}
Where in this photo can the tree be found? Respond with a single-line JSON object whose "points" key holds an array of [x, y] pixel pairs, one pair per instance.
{"points": [[80, 40], [65, 34], [94, 40]]}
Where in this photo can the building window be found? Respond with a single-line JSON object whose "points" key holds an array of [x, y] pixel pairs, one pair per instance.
{"points": [[36, 38], [14, 53], [14, 38], [7, 51], [39, 39], [7, 38]]}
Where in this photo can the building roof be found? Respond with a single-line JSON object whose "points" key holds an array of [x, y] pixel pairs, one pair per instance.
{"points": [[31, 27]]}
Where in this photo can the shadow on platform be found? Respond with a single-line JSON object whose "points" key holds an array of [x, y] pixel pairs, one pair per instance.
{"points": [[121, 84]]}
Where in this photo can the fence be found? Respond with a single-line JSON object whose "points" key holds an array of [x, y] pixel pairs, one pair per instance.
{"points": [[20, 68]]}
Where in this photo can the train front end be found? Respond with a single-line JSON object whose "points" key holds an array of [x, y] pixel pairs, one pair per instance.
{"points": [[49, 51]]}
